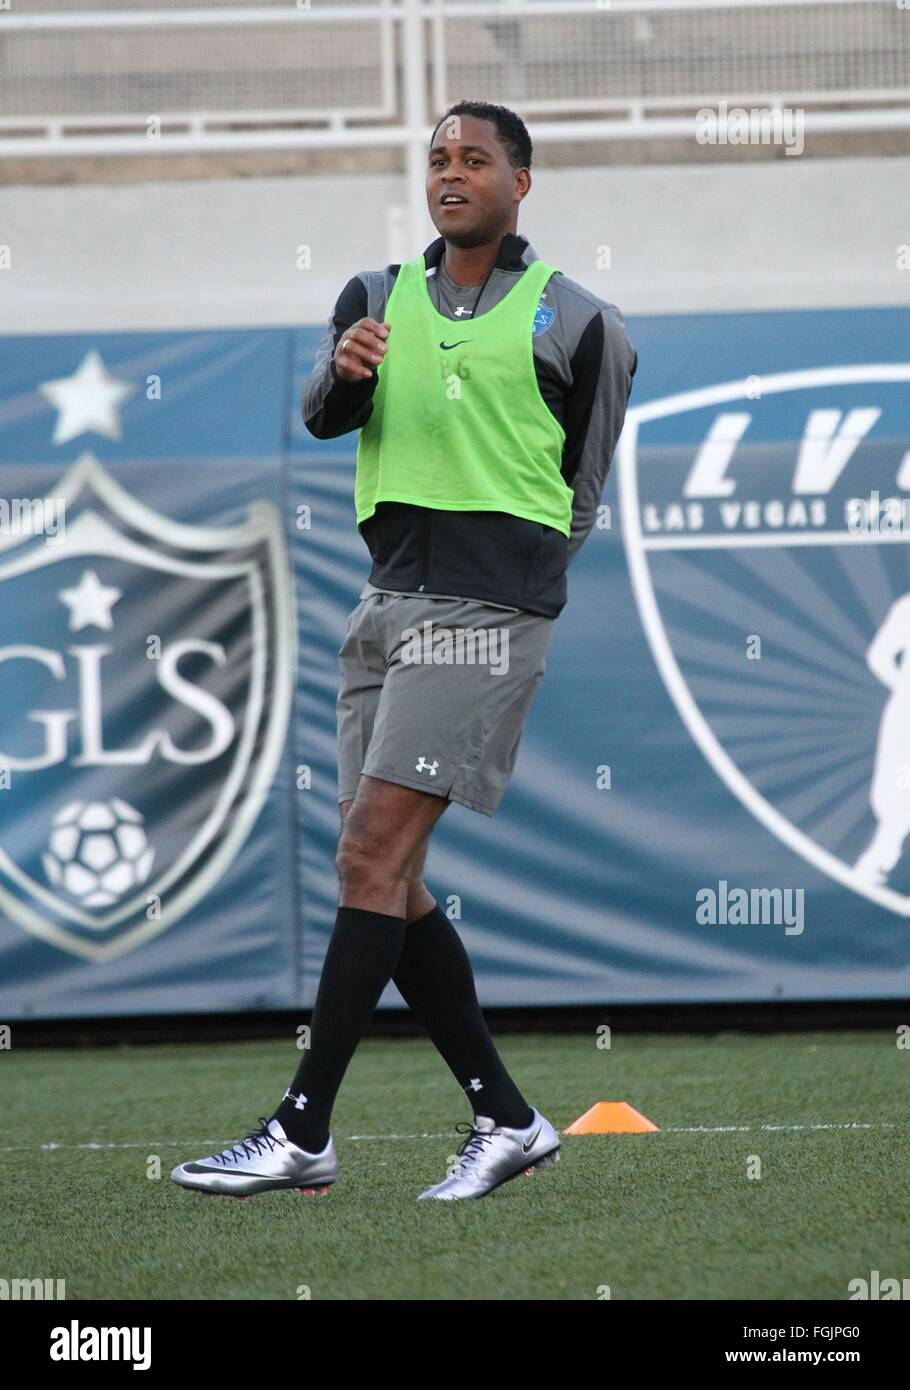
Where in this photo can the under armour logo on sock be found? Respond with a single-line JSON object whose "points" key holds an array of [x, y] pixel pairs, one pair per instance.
{"points": [[299, 1101], [423, 766], [475, 1084]]}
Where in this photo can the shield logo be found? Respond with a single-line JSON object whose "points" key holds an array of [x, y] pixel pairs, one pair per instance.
{"points": [[543, 318], [147, 695], [767, 535]]}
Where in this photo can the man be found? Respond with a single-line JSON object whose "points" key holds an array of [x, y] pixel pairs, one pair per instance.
{"points": [[489, 392]]}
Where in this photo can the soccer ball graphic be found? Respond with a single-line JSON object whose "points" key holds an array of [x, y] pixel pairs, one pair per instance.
{"points": [[98, 851]]}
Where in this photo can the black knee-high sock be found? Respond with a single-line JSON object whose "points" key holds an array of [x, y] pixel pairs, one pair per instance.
{"points": [[362, 953], [435, 979]]}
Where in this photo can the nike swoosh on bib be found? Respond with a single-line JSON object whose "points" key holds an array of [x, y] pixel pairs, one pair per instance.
{"points": [[446, 346]]}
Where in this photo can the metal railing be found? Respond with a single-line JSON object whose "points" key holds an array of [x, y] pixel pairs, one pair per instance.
{"points": [[295, 74]]}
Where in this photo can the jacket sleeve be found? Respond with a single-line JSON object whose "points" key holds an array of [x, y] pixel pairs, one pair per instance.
{"points": [[330, 406], [603, 366]]}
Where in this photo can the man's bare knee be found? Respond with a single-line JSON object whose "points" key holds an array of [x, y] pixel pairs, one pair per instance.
{"points": [[366, 860], [384, 830], [367, 834], [356, 858]]}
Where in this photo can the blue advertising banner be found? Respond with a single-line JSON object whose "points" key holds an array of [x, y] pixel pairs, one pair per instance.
{"points": [[712, 793], [147, 666]]}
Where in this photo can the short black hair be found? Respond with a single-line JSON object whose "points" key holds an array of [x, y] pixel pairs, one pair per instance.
{"points": [[510, 128]]}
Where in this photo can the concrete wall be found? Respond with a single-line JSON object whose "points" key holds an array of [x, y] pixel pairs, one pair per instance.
{"points": [[792, 233]]}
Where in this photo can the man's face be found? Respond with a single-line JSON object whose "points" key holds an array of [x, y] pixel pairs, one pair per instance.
{"points": [[468, 161]]}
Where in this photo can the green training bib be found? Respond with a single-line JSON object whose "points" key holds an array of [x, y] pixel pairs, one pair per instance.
{"points": [[458, 420]]}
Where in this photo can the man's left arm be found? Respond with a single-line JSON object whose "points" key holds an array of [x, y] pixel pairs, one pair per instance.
{"points": [[603, 366]]}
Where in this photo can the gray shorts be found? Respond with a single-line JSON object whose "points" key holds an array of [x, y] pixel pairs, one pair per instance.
{"points": [[434, 694]]}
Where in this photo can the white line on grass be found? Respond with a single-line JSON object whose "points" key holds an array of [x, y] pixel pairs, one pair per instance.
{"points": [[446, 1134], [747, 1129]]}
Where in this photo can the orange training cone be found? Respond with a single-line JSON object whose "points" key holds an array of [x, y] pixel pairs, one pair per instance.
{"points": [[611, 1117]]}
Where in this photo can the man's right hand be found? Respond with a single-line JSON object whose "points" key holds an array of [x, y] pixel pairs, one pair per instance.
{"points": [[361, 344]]}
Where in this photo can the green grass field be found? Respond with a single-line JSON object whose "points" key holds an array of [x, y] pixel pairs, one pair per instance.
{"points": [[669, 1215]]}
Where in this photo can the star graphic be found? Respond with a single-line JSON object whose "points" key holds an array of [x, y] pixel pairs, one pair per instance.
{"points": [[90, 602], [87, 400]]}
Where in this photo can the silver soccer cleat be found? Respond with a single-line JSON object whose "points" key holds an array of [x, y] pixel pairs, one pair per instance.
{"points": [[492, 1155], [265, 1161]]}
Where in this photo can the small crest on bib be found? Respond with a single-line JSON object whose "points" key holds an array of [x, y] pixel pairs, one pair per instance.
{"points": [[543, 318]]}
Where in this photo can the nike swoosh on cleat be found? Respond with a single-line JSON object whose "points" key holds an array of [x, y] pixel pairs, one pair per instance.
{"points": [[446, 346], [526, 1148]]}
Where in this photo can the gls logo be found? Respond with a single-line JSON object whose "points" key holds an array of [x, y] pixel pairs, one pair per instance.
{"points": [[152, 793], [543, 318], [738, 512]]}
